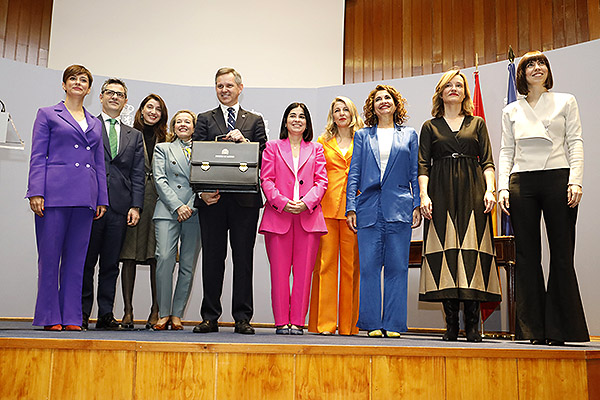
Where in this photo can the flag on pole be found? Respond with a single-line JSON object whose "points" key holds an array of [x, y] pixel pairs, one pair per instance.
{"points": [[506, 226], [488, 307], [479, 112]]}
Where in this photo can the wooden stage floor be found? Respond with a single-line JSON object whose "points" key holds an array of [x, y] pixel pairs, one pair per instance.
{"points": [[140, 364]]}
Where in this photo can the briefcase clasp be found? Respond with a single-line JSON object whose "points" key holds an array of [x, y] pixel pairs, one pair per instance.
{"points": [[205, 166], [243, 167]]}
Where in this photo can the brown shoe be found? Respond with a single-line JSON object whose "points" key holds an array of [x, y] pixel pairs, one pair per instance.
{"points": [[57, 327], [72, 328]]}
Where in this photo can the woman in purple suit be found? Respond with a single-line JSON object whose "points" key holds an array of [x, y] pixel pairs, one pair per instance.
{"points": [[66, 191]]}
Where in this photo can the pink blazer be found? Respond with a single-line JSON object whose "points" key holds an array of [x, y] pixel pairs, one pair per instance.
{"points": [[277, 181]]}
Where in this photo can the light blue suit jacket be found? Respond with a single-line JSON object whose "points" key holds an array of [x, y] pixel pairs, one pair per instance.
{"points": [[397, 193], [172, 179]]}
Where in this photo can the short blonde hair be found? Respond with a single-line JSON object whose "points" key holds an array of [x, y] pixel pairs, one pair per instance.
{"points": [[331, 128], [172, 135], [438, 104]]}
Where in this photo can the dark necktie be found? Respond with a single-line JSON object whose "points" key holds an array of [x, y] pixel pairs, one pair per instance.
{"points": [[112, 138], [230, 119]]}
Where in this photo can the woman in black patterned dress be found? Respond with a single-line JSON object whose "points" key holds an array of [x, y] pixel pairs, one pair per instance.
{"points": [[456, 179]]}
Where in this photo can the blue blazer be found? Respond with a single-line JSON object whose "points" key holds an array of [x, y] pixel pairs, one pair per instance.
{"points": [[125, 174], [397, 193]]}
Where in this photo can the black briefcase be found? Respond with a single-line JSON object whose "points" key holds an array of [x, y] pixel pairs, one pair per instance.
{"points": [[225, 166]]}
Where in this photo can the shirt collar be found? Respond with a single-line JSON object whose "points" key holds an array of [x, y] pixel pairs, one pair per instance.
{"points": [[107, 117], [236, 108]]}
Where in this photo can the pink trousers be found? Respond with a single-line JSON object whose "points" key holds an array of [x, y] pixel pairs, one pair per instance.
{"points": [[294, 251]]}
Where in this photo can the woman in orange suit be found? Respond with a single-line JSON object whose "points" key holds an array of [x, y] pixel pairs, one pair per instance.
{"points": [[340, 242]]}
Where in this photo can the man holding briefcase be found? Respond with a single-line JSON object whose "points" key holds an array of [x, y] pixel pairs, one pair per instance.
{"points": [[233, 212]]}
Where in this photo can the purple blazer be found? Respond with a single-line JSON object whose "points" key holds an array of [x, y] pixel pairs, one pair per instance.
{"points": [[67, 164]]}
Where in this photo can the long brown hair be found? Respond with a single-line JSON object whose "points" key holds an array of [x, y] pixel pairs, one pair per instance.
{"points": [[160, 128]]}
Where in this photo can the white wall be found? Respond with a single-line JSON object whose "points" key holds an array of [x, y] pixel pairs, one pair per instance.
{"points": [[273, 43]]}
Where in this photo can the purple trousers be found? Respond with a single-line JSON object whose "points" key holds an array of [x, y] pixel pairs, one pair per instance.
{"points": [[62, 235]]}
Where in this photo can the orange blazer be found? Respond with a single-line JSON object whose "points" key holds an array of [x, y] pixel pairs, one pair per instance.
{"points": [[334, 201]]}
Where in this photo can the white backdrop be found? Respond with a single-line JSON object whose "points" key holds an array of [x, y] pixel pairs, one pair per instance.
{"points": [[25, 88], [276, 43]]}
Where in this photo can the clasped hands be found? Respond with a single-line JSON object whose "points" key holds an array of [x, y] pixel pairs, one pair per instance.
{"points": [[295, 207]]}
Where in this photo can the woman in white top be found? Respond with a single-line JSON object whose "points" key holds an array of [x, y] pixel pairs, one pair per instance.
{"points": [[541, 171], [382, 205]]}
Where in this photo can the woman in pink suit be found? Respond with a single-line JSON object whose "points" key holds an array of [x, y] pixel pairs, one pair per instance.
{"points": [[294, 180], [66, 191]]}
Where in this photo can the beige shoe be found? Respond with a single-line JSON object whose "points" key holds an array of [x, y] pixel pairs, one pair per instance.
{"points": [[375, 333], [392, 334]]}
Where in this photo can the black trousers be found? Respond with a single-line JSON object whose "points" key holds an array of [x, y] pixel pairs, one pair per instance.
{"points": [[552, 312], [216, 221], [108, 234]]}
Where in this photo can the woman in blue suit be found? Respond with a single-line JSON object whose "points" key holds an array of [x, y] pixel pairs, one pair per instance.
{"points": [[173, 221], [382, 206]]}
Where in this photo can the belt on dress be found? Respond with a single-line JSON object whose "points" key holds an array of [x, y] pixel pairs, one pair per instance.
{"points": [[457, 155]]}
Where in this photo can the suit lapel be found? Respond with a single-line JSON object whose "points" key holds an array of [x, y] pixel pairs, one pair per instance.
{"points": [[374, 143], [305, 153], [285, 149], [219, 120], [241, 119], [64, 114], [124, 138], [105, 139], [177, 152]]}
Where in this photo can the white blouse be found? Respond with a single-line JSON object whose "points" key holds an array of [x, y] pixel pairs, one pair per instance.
{"points": [[547, 136], [385, 138]]}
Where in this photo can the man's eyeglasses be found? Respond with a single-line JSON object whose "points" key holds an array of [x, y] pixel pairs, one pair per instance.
{"points": [[111, 93]]}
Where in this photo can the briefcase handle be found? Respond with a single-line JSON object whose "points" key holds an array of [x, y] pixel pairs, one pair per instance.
{"points": [[220, 137]]}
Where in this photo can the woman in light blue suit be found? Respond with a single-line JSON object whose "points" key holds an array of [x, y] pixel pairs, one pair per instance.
{"points": [[173, 222], [382, 206]]}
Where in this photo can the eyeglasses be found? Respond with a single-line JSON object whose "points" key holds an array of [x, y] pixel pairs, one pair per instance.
{"points": [[111, 93]]}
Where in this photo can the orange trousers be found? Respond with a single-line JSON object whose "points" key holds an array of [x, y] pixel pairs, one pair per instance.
{"points": [[338, 244]]}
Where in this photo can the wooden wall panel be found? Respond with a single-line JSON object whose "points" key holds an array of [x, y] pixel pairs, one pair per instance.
{"points": [[420, 378], [75, 372], [430, 36], [568, 379], [175, 375], [24, 373], [332, 377], [488, 378], [25, 30], [254, 376]]}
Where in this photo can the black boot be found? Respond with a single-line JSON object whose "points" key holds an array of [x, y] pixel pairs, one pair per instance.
{"points": [[153, 317], [451, 310], [472, 321], [127, 282]]}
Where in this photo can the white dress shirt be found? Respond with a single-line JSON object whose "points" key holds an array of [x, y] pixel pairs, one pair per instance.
{"points": [[544, 137], [236, 110]]}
